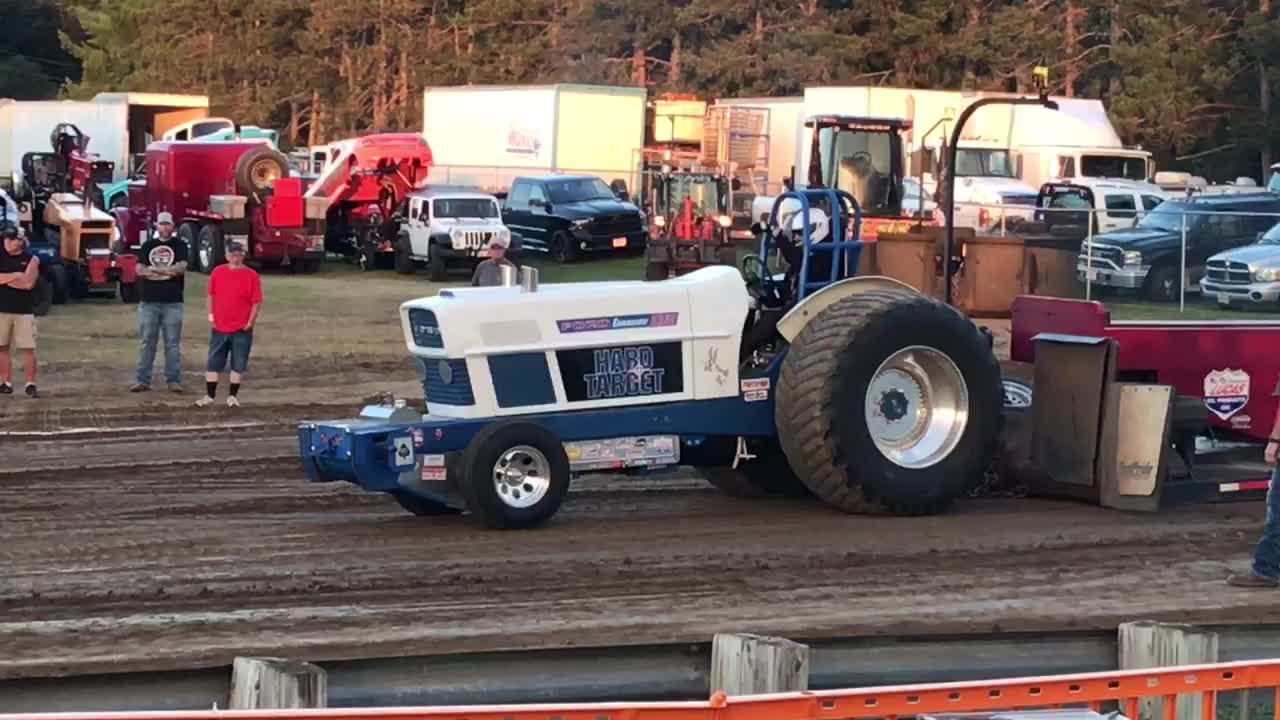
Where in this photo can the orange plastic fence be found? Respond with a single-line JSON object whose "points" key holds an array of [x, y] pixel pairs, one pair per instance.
{"points": [[890, 703]]}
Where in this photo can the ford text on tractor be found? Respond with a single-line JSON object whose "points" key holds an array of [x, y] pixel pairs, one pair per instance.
{"points": [[691, 223], [858, 390], [76, 242]]}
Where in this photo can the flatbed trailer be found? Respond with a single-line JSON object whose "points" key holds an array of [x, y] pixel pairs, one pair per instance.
{"points": [[1231, 367]]}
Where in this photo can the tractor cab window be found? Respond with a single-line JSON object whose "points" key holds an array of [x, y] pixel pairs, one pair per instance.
{"points": [[863, 166], [972, 162], [705, 192], [465, 208]]}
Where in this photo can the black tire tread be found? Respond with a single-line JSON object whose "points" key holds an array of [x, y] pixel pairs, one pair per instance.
{"points": [[805, 409], [469, 483]]}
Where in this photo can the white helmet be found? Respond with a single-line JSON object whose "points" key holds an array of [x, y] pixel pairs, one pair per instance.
{"points": [[819, 225]]}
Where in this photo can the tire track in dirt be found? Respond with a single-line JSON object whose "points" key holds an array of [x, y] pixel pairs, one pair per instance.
{"points": [[186, 564]]}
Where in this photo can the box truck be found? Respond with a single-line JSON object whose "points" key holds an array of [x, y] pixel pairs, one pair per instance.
{"points": [[119, 125], [483, 136]]}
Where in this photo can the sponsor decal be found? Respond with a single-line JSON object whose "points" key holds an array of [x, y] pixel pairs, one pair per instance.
{"points": [[755, 395], [430, 474], [436, 460], [712, 365], [1241, 422], [521, 141], [416, 434], [754, 384], [618, 322], [1226, 392], [621, 372]]}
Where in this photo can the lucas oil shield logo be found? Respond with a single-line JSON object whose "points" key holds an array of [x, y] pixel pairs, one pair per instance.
{"points": [[1226, 392]]}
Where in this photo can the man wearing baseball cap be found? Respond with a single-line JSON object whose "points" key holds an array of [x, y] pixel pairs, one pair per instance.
{"points": [[19, 271], [489, 272], [235, 295], [162, 267]]}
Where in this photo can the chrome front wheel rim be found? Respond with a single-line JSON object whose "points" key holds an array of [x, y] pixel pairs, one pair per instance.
{"points": [[522, 476]]}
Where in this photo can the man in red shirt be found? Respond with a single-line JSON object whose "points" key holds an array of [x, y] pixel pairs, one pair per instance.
{"points": [[235, 294]]}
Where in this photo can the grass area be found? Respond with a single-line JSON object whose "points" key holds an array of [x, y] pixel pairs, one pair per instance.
{"points": [[341, 313], [332, 316]]}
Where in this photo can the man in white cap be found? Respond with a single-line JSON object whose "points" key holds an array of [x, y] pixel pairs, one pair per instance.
{"points": [[162, 266]]}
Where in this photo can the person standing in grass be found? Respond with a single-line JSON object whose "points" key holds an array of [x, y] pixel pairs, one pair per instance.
{"points": [[162, 266], [235, 296], [19, 271]]}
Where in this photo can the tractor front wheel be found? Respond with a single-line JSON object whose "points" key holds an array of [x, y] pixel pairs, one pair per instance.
{"points": [[657, 270], [514, 475], [889, 401]]}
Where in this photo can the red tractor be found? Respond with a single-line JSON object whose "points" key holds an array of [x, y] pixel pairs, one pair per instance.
{"points": [[58, 201], [691, 224], [364, 185]]}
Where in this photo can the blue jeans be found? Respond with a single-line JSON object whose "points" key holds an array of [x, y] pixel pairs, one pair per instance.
{"points": [[1266, 556], [154, 319]]}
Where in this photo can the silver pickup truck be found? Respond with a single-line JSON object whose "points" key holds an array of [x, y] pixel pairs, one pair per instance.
{"points": [[1248, 275]]}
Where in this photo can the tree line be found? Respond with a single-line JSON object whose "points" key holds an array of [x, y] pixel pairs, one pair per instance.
{"points": [[1190, 80]]}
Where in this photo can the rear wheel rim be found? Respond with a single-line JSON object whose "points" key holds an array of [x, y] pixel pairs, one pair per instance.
{"points": [[206, 254], [916, 407], [522, 477]]}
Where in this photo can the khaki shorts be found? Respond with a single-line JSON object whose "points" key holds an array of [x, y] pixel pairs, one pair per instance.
{"points": [[18, 331]]}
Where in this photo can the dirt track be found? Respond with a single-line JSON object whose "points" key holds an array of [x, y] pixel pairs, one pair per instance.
{"points": [[182, 545]]}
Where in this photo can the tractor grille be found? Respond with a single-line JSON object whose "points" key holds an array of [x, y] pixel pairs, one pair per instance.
{"points": [[96, 235], [425, 328], [1228, 273], [473, 239], [457, 391], [621, 224]]}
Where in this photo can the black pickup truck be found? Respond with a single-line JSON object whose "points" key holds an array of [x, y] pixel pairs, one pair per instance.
{"points": [[1146, 256], [569, 215]]}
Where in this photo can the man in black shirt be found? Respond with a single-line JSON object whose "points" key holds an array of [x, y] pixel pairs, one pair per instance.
{"points": [[19, 271], [162, 265]]}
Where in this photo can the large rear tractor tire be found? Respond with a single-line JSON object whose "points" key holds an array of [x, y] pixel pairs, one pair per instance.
{"points": [[258, 168], [889, 402]]}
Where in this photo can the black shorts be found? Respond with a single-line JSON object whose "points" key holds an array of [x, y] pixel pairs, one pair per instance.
{"points": [[234, 346]]}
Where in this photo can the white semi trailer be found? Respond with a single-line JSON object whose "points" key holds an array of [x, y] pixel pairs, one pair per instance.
{"points": [[485, 135]]}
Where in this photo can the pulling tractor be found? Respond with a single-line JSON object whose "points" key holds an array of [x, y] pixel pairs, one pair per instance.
{"points": [[76, 242], [690, 224], [856, 389]]}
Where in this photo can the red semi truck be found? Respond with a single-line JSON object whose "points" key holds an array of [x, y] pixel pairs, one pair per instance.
{"points": [[220, 191]]}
